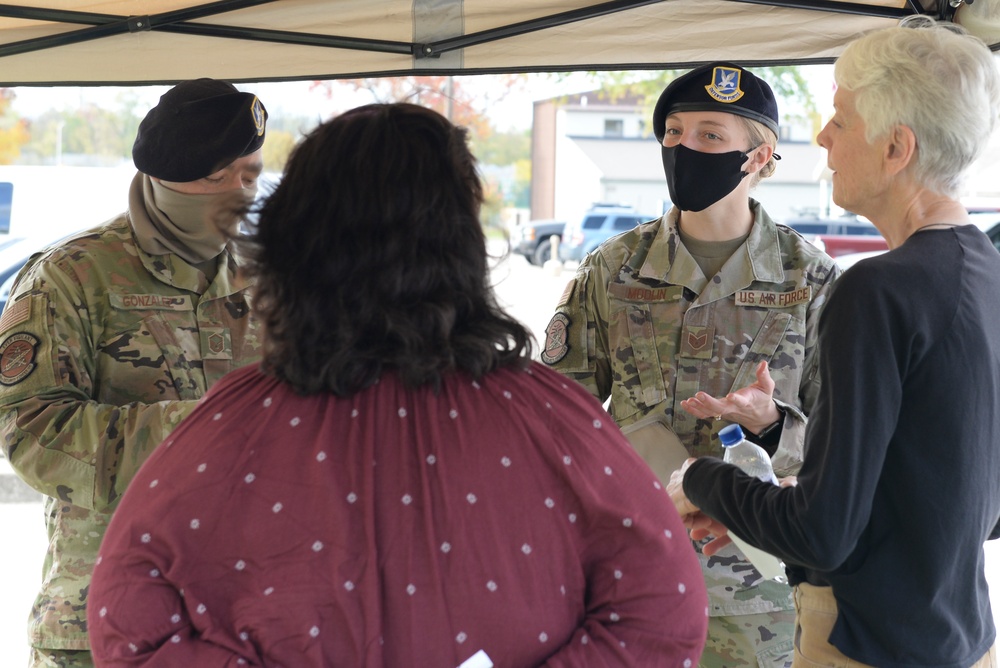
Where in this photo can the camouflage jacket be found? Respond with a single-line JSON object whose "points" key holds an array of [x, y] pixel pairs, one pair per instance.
{"points": [[640, 323], [104, 349]]}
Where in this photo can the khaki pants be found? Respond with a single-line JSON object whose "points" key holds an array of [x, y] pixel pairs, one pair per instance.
{"points": [[816, 610]]}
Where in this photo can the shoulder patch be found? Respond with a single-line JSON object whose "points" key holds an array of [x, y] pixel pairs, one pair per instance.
{"points": [[15, 314], [567, 293], [17, 357], [556, 339]]}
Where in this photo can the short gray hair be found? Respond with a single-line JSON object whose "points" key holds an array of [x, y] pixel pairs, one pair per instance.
{"points": [[935, 79]]}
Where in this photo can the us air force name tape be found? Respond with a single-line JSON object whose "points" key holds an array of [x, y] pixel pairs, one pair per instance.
{"points": [[197, 128], [717, 87]]}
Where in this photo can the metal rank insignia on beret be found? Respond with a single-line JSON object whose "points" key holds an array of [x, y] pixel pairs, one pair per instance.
{"points": [[257, 110], [725, 86]]}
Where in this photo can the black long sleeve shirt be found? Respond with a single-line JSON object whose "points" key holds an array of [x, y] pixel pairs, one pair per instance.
{"points": [[900, 485]]}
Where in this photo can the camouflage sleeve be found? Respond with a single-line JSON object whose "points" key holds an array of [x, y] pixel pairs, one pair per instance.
{"points": [[788, 457], [58, 438], [576, 338]]}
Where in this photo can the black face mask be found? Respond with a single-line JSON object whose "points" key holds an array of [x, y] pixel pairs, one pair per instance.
{"points": [[698, 180]]}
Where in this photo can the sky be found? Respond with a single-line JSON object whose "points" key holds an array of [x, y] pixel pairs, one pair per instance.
{"points": [[514, 112], [297, 98]]}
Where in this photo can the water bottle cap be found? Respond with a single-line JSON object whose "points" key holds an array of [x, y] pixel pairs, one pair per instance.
{"points": [[730, 435]]}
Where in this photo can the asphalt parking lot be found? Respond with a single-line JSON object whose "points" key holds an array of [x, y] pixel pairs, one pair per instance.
{"points": [[528, 292]]}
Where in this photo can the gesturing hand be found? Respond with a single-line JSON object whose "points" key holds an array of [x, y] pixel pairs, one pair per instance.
{"points": [[751, 406]]}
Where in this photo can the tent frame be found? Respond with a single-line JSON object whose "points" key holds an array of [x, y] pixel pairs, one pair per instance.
{"points": [[180, 21]]}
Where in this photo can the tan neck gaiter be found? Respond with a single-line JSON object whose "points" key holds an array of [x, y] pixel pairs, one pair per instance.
{"points": [[166, 221]]}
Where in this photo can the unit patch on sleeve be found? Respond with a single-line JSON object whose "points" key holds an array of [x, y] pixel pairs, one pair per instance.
{"points": [[556, 336], [17, 357]]}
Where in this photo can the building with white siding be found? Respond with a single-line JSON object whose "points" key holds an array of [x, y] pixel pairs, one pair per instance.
{"points": [[588, 148]]}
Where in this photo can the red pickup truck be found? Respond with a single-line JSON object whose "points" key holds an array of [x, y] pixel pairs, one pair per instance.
{"points": [[839, 236]]}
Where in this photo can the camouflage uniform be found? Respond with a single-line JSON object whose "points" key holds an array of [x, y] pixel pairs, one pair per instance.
{"points": [[641, 324], [104, 349]]}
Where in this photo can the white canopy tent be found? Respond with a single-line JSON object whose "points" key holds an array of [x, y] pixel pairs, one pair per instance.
{"points": [[126, 42]]}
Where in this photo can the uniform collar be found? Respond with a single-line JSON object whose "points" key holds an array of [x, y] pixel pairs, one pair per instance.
{"points": [[763, 248], [758, 259], [174, 270]]}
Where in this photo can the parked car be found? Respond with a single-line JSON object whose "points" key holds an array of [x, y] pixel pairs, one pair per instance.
{"points": [[533, 240], [848, 260], [988, 220], [599, 223], [839, 236]]}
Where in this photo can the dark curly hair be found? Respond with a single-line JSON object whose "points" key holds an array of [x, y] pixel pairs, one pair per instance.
{"points": [[370, 256]]}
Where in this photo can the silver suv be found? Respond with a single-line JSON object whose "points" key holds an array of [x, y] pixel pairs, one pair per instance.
{"points": [[599, 223]]}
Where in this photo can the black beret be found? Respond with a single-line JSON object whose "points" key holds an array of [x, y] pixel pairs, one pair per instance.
{"points": [[197, 128], [717, 87]]}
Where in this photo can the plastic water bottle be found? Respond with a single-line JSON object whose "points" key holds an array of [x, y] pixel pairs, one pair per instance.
{"points": [[750, 457], [753, 460]]}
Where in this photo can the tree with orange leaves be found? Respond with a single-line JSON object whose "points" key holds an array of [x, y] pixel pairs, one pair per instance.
{"points": [[13, 131], [454, 97]]}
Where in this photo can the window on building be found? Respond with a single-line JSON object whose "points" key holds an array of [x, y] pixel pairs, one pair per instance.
{"points": [[861, 228], [627, 222], [810, 228], [614, 127]]}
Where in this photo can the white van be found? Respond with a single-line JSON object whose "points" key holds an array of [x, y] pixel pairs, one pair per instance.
{"points": [[49, 202]]}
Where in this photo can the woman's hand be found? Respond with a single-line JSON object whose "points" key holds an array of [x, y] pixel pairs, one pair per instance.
{"points": [[675, 488], [752, 406]]}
